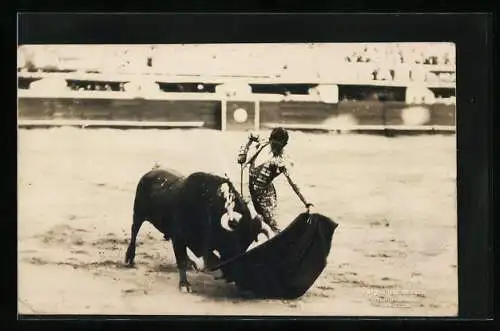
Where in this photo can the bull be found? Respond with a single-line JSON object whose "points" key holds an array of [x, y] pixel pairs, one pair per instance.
{"points": [[203, 212]]}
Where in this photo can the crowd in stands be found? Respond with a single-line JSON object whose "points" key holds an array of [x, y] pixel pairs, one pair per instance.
{"points": [[95, 86], [410, 54], [391, 62], [406, 62]]}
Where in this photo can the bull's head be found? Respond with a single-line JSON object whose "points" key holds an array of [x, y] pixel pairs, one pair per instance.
{"points": [[230, 218], [237, 216]]}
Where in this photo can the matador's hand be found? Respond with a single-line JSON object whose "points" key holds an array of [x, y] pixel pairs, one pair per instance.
{"points": [[242, 158], [254, 137]]}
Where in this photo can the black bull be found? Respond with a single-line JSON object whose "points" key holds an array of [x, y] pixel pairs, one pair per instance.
{"points": [[191, 211]]}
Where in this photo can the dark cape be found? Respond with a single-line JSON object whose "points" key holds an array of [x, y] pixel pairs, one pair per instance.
{"points": [[287, 265]]}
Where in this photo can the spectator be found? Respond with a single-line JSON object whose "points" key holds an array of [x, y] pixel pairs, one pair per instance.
{"points": [[400, 62]]}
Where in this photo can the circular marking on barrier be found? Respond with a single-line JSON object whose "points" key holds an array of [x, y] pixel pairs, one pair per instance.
{"points": [[240, 115], [415, 115]]}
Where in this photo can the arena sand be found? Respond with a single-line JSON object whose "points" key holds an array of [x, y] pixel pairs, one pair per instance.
{"points": [[394, 253]]}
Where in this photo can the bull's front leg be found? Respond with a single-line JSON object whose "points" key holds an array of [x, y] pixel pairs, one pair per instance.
{"points": [[181, 257]]}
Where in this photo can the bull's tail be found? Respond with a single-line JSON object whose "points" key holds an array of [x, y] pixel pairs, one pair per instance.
{"points": [[136, 226], [139, 216]]}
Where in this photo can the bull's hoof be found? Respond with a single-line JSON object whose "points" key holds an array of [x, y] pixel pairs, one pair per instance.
{"points": [[130, 264], [130, 256], [185, 288]]}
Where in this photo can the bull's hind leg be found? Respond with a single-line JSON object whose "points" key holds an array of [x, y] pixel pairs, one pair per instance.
{"points": [[181, 257], [136, 225]]}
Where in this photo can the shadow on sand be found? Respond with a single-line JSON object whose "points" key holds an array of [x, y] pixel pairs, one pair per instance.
{"points": [[206, 284]]}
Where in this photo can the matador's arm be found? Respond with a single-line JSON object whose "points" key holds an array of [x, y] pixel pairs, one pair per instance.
{"points": [[243, 152], [294, 186]]}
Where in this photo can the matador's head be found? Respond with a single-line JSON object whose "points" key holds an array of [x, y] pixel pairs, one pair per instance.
{"points": [[278, 139]]}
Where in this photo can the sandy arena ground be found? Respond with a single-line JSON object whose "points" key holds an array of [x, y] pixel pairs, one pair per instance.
{"points": [[394, 252]]}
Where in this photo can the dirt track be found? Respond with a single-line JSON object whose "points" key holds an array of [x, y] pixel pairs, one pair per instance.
{"points": [[394, 252]]}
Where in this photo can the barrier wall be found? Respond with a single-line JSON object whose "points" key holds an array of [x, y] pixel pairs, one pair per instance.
{"points": [[296, 112], [240, 115], [195, 113], [363, 112], [353, 114], [403, 114], [219, 114]]}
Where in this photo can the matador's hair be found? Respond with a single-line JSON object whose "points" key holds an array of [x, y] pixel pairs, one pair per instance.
{"points": [[279, 134]]}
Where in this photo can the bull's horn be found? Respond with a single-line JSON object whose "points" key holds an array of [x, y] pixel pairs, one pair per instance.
{"points": [[224, 221]]}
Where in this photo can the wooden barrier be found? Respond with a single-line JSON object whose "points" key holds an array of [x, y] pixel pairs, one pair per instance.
{"points": [[442, 114], [355, 114], [119, 110], [217, 112], [362, 112], [241, 115], [392, 114], [296, 112], [23, 123]]}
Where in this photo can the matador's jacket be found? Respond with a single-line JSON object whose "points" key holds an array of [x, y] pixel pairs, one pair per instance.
{"points": [[261, 178]]}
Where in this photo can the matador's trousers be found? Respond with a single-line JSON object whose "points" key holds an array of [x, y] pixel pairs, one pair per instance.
{"points": [[265, 203]]}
